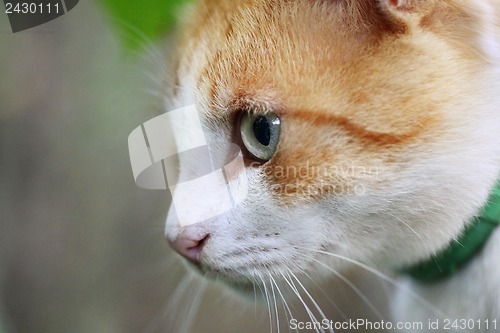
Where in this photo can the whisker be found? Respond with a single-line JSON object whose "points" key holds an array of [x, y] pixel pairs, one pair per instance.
{"points": [[306, 307], [254, 298], [268, 304], [408, 226], [176, 302], [194, 307], [311, 298], [424, 244], [353, 287], [275, 306], [337, 308], [260, 288], [387, 278], [288, 312]]}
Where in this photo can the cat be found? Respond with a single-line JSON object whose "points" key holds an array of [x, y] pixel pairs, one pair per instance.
{"points": [[370, 132]]}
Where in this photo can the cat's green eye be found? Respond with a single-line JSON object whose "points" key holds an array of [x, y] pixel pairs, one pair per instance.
{"points": [[260, 134]]}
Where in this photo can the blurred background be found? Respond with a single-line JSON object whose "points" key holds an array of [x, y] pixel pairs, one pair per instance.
{"points": [[81, 247]]}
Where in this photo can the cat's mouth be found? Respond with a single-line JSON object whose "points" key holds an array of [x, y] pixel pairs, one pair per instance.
{"points": [[237, 278], [228, 275], [240, 283]]}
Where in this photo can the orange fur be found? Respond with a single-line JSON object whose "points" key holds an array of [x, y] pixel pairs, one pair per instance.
{"points": [[360, 82]]}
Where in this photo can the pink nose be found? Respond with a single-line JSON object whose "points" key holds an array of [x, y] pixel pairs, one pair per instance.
{"points": [[189, 246]]}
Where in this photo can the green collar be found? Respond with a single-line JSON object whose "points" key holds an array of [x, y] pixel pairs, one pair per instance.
{"points": [[459, 252]]}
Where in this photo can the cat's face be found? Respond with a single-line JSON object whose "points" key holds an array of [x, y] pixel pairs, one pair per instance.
{"points": [[387, 135]]}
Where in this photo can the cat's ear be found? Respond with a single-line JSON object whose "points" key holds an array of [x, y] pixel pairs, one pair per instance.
{"points": [[470, 23], [406, 11]]}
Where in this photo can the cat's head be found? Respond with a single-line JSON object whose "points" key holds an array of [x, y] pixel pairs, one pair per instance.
{"points": [[369, 129]]}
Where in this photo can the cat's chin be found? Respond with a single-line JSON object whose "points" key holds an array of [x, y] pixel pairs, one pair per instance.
{"points": [[243, 287]]}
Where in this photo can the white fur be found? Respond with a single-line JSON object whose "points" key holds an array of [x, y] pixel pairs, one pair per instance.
{"points": [[424, 207]]}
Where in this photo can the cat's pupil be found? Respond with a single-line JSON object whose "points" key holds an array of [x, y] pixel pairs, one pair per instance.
{"points": [[262, 130]]}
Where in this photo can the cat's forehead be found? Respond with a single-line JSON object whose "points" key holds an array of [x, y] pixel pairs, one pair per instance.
{"points": [[322, 63], [310, 61]]}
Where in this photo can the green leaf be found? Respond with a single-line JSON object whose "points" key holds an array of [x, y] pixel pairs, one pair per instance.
{"points": [[139, 21]]}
